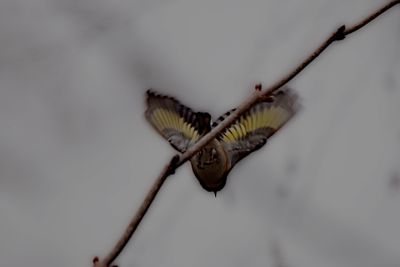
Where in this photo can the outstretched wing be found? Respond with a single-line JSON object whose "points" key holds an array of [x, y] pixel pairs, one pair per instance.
{"points": [[175, 122], [254, 127]]}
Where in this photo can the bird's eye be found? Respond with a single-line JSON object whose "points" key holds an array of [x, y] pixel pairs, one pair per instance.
{"points": [[213, 154]]}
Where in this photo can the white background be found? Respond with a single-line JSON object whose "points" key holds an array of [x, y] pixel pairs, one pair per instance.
{"points": [[77, 156]]}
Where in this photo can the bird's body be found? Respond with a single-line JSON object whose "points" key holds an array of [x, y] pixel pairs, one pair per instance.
{"points": [[211, 165]]}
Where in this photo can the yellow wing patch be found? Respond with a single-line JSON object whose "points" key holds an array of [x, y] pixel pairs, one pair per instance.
{"points": [[166, 119], [273, 117]]}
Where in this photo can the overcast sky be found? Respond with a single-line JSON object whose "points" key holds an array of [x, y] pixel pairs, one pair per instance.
{"points": [[77, 156]]}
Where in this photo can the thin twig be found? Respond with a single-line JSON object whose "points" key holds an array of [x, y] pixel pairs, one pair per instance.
{"points": [[371, 17], [257, 94]]}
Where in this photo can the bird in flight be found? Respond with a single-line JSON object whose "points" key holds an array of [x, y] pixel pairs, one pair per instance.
{"points": [[183, 127]]}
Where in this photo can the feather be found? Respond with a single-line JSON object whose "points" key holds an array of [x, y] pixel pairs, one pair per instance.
{"points": [[254, 127], [177, 123]]}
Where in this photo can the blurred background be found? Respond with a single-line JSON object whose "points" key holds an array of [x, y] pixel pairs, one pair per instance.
{"points": [[77, 156]]}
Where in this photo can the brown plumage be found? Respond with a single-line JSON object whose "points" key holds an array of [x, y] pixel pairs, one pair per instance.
{"points": [[183, 127]]}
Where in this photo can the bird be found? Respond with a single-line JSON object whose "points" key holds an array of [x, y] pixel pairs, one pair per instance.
{"points": [[182, 128]]}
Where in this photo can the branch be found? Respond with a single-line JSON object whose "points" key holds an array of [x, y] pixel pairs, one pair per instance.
{"points": [[257, 95]]}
